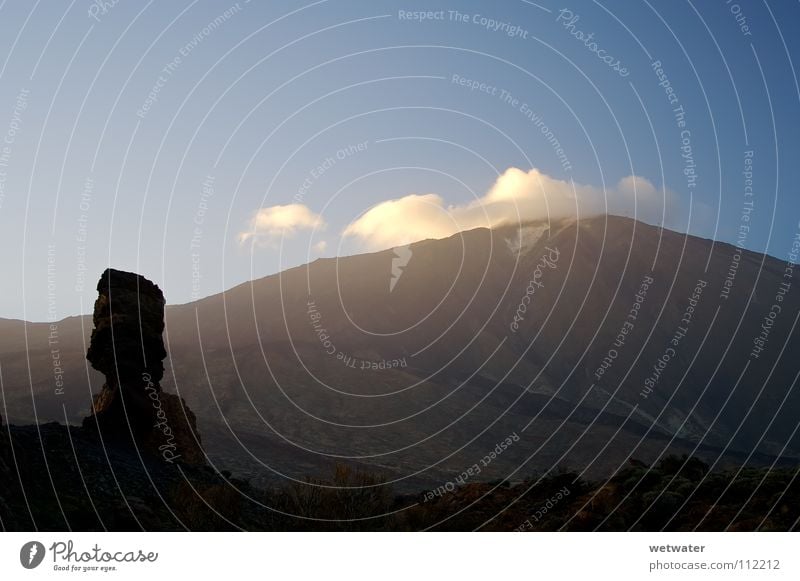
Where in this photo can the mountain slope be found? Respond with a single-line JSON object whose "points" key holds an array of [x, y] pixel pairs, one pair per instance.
{"points": [[484, 335]]}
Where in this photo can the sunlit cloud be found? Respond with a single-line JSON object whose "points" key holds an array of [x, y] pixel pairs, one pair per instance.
{"points": [[407, 219], [269, 224], [516, 196]]}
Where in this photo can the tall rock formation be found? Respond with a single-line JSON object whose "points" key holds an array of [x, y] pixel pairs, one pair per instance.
{"points": [[128, 348]]}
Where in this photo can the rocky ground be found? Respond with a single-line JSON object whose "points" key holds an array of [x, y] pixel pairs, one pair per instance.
{"points": [[58, 478]]}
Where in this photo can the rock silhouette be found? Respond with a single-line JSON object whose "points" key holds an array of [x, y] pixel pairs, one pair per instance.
{"points": [[127, 347]]}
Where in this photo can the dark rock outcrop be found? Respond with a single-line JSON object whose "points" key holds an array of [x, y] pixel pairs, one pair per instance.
{"points": [[128, 348], [63, 478]]}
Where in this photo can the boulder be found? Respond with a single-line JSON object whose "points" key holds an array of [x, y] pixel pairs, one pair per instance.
{"points": [[127, 346]]}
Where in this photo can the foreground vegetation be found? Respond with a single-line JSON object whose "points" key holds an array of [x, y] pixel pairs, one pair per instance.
{"points": [[59, 478]]}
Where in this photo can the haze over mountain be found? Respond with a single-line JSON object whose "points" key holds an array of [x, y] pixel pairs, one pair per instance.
{"points": [[592, 342]]}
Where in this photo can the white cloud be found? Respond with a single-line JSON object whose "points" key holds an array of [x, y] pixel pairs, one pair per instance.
{"points": [[320, 247], [407, 219], [275, 221], [516, 196]]}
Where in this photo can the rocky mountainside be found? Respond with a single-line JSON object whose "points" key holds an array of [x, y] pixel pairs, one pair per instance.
{"points": [[591, 342]]}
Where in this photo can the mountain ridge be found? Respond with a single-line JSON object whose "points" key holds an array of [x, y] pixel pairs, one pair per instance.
{"points": [[422, 378]]}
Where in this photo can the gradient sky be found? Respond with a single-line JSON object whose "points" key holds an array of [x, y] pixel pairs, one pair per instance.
{"points": [[265, 96]]}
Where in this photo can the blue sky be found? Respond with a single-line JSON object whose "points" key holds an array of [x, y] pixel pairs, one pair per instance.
{"points": [[147, 136]]}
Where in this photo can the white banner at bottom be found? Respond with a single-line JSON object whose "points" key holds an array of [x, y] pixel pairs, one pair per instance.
{"points": [[399, 556]]}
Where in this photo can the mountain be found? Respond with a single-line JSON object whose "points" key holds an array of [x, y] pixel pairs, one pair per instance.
{"points": [[490, 354]]}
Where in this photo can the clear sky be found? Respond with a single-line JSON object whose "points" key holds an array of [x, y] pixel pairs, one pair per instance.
{"points": [[204, 144]]}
